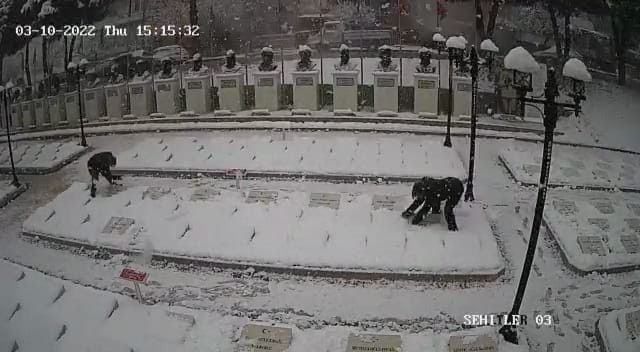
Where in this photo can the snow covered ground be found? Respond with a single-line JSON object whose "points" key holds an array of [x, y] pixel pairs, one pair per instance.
{"points": [[619, 330], [410, 157], [596, 230], [30, 157], [262, 225], [8, 191], [573, 166]]}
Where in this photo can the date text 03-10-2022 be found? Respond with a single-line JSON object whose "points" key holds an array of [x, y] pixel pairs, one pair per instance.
{"points": [[168, 30]]}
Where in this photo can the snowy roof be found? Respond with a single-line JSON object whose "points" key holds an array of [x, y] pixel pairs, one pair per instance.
{"points": [[489, 45], [230, 52], [456, 42], [344, 47], [266, 49], [576, 69], [437, 37], [384, 47], [521, 60], [423, 50], [302, 48]]}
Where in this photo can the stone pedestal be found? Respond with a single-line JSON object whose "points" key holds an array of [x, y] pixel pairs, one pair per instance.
{"points": [[71, 108], [461, 96], [115, 100], [425, 86], [141, 98], [57, 112], [385, 87], [230, 90], [16, 116], [28, 114], [94, 104], [167, 95], [198, 90], [345, 90], [41, 111], [305, 89], [267, 87]]}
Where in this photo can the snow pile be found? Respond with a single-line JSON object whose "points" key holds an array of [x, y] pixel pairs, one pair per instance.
{"points": [[456, 42], [488, 45], [312, 153], [574, 166], [39, 312], [576, 69], [39, 157], [437, 37], [287, 230], [619, 330], [521, 60], [595, 230]]}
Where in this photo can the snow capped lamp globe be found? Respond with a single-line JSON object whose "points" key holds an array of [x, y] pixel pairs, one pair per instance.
{"points": [[488, 51], [438, 42], [523, 65], [577, 72]]}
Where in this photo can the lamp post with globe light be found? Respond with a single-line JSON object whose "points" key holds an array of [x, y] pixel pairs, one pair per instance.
{"points": [[438, 43], [78, 70], [455, 48], [5, 100], [523, 65]]}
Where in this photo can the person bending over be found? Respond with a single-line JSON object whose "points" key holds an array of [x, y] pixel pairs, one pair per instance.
{"points": [[101, 164], [432, 192]]}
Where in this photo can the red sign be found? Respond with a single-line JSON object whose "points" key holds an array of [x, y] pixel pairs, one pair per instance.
{"points": [[236, 172], [133, 275]]}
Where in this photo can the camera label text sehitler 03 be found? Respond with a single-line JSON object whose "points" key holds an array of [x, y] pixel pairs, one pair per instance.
{"points": [[505, 319]]}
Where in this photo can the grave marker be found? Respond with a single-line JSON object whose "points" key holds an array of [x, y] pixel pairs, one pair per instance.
{"points": [[531, 169], [472, 343], [386, 202], [601, 173], [262, 196], [633, 224], [569, 172], [204, 194], [634, 207], [155, 192], [565, 207], [632, 321], [374, 342], [630, 243], [591, 245], [256, 337], [329, 200], [117, 225], [601, 223], [604, 206], [576, 163]]}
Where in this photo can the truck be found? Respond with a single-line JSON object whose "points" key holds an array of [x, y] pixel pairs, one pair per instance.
{"points": [[328, 32]]}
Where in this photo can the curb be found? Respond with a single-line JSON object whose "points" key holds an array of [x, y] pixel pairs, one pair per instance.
{"points": [[43, 171], [291, 270], [13, 195]]}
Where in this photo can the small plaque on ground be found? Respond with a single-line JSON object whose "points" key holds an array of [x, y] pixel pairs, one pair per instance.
{"points": [[304, 81], [630, 243], [265, 82], [386, 82], [603, 206], [374, 342], [329, 200], [634, 224], [117, 225], [155, 192], [634, 207], [531, 169], [204, 194], [601, 223], [591, 245], [576, 163], [431, 219], [565, 207], [264, 338], [262, 196], [632, 322], [228, 83], [601, 174], [569, 172], [386, 202], [472, 343]]}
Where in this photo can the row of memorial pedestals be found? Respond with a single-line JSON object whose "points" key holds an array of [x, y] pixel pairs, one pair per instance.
{"points": [[109, 102]]}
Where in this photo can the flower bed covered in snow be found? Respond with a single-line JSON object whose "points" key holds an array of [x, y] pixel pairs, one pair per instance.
{"points": [[297, 155], [596, 230], [274, 228], [40, 313], [574, 166], [619, 331], [39, 158]]}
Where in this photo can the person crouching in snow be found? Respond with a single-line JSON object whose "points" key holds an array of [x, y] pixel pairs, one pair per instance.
{"points": [[101, 164], [432, 192]]}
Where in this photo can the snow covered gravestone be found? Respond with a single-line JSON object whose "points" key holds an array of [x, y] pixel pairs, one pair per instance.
{"points": [[117, 225], [329, 200], [374, 342], [265, 197], [592, 245], [632, 322], [472, 343], [386, 202], [256, 337]]}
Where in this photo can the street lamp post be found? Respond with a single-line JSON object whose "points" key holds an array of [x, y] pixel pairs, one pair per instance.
{"points": [[455, 48], [575, 70], [5, 100], [438, 42], [78, 68]]}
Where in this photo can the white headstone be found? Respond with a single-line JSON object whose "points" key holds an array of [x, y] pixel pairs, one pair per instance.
{"points": [[204, 194], [601, 223], [155, 192], [386, 202], [262, 196], [472, 343], [630, 243], [374, 342], [565, 207], [329, 200], [591, 245], [117, 225], [256, 337]]}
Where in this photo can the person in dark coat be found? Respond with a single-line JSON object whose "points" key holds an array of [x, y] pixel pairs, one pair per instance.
{"points": [[431, 192], [101, 164]]}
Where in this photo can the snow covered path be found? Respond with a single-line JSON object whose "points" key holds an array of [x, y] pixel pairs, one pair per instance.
{"points": [[38, 158], [321, 153]]}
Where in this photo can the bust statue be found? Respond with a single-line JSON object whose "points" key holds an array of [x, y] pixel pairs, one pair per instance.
{"points": [[267, 60], [305, 63], [345, 56], [385, 64], [425, 61]]}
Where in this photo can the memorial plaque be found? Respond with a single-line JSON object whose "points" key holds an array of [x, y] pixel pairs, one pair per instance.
{"points": [[329, 200], [603, 166], [386, 82], [634, 224], [630, 243], [112, 92], [601, 173], [565, 207], [304, 81], [464, 87], [531, 169], [264, 338], [25, 107], [137, 90], [591, 245], [632, 322], [576, 163], [262, 196], [345, 82], [117, 225], [634, 207], [426, 84], [266, 82], [569, 172], [431, 219], [228, 83], [374, 342], [164, 87], [194, 85], [204, 194], [386, 202], [603, 206], [601, 223], [155, 192], [53, 102], [38, 104], [472, 343], [90, 96]]}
